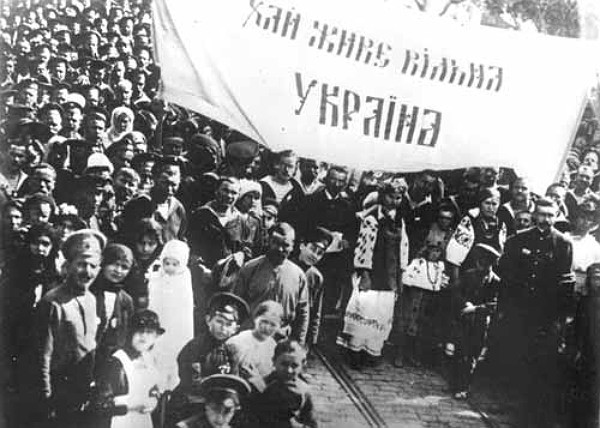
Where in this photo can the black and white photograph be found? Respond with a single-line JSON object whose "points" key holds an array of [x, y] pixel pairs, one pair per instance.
{"points": [[299, 213]]}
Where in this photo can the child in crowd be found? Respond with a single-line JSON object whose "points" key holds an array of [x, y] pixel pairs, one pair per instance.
{"points": [[206, 354], [474, 301], [146, 241], [286, 400], [128, 383], [170, 295], [221, 396], [38, 208], [114, 306], [252, 350], [424, 277]]}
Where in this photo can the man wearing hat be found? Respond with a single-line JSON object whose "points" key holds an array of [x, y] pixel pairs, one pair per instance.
{"points": [[312, 248], [274, 277], [66, 330], [207, 354], [239, 156], [332, 208], [536, 299]]}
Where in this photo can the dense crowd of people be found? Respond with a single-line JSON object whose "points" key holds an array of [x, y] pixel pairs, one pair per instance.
{"points": [[158, 268]]}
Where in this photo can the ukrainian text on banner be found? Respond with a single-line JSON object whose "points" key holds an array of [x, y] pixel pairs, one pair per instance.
{"points": [[373, 87]]}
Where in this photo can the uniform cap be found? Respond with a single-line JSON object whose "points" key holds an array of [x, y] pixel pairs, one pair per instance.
{"points": [[230, 306]]}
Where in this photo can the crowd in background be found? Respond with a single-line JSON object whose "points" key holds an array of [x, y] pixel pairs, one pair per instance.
{"points": [[158, 268]]}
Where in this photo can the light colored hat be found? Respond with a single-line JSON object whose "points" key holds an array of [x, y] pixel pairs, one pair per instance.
{"points": [[84, 242], [99, 160], [76, 98], [176, 249], [247, 186]]}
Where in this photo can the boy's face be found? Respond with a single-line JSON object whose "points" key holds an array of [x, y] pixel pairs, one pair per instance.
{"points": [[289, 366], [219, 415], [311, 253], [221, 327]]}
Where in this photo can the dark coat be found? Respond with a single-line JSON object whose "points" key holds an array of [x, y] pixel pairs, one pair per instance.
{"points": [[538, 275], [208, 238], [290, 208], [336, 215], [112, 333]]}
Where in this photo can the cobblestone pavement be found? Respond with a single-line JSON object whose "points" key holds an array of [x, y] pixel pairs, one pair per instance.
{"points": [[407, 397]]}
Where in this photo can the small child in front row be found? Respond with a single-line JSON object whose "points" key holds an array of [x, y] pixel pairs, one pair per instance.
{"points": [[474, 302], [286, 401], [221, 396], [252, 350], [128, 383], [206, 354], [423, 279]]}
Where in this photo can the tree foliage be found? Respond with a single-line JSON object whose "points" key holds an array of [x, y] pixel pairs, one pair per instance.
{"points": [[554, 17]]}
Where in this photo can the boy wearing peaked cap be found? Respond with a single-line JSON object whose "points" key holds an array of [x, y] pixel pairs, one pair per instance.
{"points": [[207, 354], [312, 248], [221, 396], [67, 327]]}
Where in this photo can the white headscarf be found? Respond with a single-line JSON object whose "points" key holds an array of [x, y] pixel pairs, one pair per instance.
{"points": [[113, 134]]}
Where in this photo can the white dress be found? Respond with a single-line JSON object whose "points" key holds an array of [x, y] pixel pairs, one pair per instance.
{"points": [[141, 379], [171, 297]]}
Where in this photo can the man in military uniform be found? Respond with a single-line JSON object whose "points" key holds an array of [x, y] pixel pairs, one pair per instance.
{"points": [[536, 268]]}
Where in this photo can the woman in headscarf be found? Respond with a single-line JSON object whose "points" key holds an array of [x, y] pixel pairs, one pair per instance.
{"points": [[121, 123], [480, 226], [380, 256]]}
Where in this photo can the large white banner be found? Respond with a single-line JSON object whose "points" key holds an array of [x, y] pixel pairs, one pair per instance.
{"points": [[367, 85]]}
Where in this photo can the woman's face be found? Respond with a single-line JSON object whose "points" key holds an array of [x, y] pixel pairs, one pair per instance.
{"points": [[65, 228], [146, 247], [489, 207], [391, 200], [123, 123], [14, 219], [142, 341], [117, 271], [591, 160], [434, 254], [41, 246]]}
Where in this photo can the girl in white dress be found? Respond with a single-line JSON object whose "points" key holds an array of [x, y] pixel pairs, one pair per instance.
{"points": [[253, 350], [170, 295], [128, 384]]}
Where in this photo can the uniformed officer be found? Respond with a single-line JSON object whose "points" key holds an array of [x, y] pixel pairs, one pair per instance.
{"points": [[536, 268]]}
